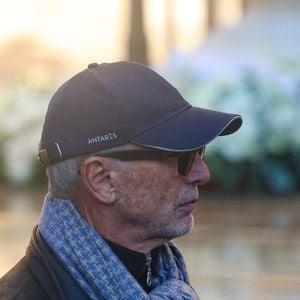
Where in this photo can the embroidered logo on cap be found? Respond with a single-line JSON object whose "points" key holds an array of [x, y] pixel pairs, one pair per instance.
{"points": [[102, 138]]}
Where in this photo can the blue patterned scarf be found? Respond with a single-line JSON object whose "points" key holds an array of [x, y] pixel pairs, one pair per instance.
{"points": [[95, 267]]}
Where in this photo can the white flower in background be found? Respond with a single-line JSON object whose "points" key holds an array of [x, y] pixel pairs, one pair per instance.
{"points": [[21, 116]]}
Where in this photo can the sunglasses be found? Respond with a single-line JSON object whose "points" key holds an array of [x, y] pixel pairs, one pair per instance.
{"points": [[185, 159]]}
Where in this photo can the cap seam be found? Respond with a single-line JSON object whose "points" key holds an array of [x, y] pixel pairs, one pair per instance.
{"points": [[163, 120], [96, 75]]}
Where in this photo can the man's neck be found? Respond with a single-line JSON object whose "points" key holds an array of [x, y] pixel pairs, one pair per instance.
{"points": [[131, 237]]}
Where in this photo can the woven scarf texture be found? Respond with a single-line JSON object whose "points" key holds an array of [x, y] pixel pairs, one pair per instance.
{"points": [[95, 267]]}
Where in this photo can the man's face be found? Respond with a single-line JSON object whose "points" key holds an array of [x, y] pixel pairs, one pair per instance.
{"points": [[155, 200]]}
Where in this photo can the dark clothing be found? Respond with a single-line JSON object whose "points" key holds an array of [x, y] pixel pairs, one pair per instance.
{"points": [[135, 262], [40, 275]]}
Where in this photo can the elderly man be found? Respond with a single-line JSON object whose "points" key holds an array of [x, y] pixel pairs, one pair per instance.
{"points": [[123, 152]]}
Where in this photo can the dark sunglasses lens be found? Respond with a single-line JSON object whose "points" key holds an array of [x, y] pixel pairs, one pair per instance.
{"points": [[185, 160]]}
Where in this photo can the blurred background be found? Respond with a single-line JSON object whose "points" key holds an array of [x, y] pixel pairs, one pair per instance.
{"points": [[237, 56]]}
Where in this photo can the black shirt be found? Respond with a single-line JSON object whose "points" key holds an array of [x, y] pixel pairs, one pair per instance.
{"points": [[135, 262]]}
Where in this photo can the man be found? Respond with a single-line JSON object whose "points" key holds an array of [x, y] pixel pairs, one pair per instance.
{"points": [[123, 152]]}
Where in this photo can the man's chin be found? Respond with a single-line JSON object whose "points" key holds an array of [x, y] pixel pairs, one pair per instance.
{"points": [[174, 229], [185, 226]]}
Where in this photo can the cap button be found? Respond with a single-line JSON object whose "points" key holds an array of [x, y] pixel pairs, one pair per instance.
{"points": [[92, 65]]}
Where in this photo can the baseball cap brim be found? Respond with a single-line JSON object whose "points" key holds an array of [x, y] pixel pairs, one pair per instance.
{"points": [[189, 130]]}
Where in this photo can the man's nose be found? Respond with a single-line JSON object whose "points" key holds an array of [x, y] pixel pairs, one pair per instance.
{"points": [[199, 173]]}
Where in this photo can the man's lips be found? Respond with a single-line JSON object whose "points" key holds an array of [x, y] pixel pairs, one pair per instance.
{"points": [[189, 204]]}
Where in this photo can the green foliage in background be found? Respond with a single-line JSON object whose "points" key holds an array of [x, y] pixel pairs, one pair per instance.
{"points": [[2, 172]]}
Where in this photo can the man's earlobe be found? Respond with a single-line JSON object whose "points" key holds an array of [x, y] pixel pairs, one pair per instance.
{"points": [[97, 180]]}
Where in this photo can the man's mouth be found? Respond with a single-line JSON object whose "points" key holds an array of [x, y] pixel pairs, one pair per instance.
{"points": [[189, 205]]}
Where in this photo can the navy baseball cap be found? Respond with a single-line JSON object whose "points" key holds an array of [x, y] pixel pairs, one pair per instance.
{"points": [[110, 104]]}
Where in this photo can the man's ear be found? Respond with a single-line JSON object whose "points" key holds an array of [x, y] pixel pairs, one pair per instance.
{"points": [[97, 178]]}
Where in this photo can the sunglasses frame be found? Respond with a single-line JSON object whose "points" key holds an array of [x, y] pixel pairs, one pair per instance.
{"points": [[185, 159]]}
